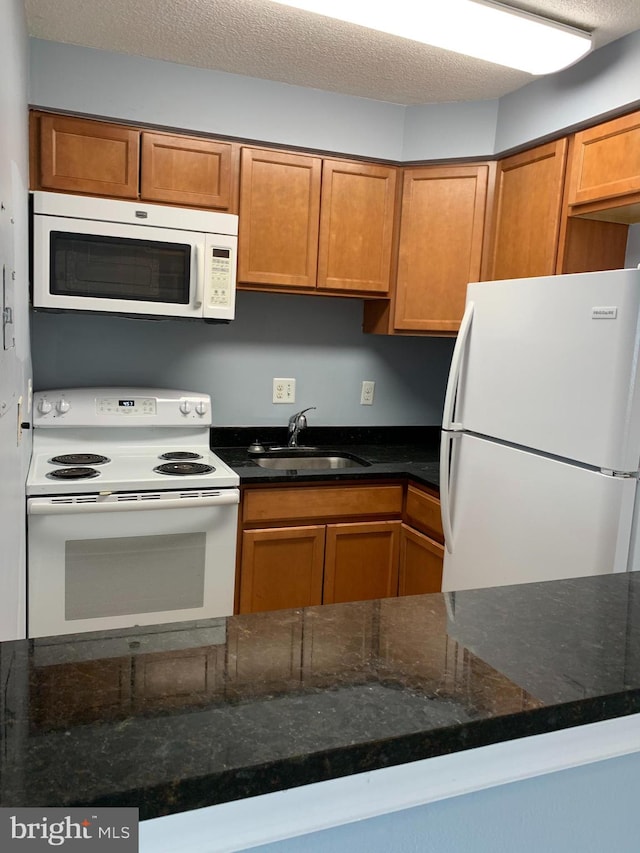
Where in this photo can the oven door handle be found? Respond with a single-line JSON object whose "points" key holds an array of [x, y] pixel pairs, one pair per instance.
{"points": [[46, 506]]}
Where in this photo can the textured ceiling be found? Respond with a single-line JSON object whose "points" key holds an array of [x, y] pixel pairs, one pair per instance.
{"points": [[259, 38]]}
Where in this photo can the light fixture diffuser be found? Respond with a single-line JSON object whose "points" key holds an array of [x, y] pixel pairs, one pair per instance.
{"points": [[478, 28]]}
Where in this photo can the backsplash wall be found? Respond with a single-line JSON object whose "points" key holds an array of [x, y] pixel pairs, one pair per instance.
{"points": [[315, 340]]}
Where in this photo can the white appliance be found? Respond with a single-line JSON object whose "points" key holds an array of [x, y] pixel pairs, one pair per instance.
{"points": [[131, 519], [541, 431], [124, 257]]}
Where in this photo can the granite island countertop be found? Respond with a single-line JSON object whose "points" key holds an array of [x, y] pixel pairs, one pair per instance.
{"points": [[390, 453], [175, 718]]}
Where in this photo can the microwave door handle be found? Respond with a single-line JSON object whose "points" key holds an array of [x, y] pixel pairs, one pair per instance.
{"points": [[45, 506], [199, 252]]}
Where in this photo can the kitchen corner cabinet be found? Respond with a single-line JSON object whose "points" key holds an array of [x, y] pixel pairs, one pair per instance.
{"points": [[440, 250], [604, 178], [421, 544], [527, 212], [77, 155], [315, 224], [534, 230], [309, 545]]}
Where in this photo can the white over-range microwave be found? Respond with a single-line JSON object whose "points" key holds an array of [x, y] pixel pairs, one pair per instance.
{"points": [[122, 257]]}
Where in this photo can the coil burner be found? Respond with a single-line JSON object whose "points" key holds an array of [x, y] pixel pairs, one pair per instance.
{"points": [[183, 469], [79, 473], [180, 455], [80, 459]]}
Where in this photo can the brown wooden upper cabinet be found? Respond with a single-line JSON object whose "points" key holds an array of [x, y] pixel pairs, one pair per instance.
{"points": [[279, 220], [442, 226], [189, 171], [79, 155], [534, 232], [527, 212], [93, 157], [604, 181], [441, 234], [313, 223]]}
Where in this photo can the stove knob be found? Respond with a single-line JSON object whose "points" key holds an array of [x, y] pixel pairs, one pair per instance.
{"points": [[201, 408], [185, 407], [44, 407], [62, 406]]}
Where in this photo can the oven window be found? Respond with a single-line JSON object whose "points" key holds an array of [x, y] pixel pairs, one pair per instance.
{"points": [[134, 574], [119, 268]]}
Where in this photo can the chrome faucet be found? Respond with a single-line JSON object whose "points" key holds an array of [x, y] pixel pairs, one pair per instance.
{"points": [[297, 423]]}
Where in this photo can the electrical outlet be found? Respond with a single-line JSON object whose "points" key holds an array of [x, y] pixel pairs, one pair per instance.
{"points": [[284, 390], [366, 395]]}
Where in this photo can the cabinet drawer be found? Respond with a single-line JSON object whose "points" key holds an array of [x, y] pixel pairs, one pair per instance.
{"points": [[261, 505], [423, 512]]}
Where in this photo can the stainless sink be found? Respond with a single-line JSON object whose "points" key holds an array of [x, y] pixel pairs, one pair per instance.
{"points": [[282, 460]]}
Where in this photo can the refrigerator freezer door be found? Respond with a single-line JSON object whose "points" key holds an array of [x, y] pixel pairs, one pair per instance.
{"points": [[551, 364], [517, 517]]}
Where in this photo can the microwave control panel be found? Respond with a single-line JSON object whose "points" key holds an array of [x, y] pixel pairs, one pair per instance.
{"points": [[220, 282]]}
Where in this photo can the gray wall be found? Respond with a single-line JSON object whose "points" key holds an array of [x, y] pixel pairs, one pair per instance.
{"points": [[606, 81], [315, 340], [15, 362]]}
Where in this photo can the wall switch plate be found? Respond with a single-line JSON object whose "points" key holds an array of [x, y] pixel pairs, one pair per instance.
{"points": [[284, 390], [366, 395]]}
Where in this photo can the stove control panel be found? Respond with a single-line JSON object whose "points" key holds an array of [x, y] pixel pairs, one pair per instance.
{"points": [[120, 407], [126, 406]]}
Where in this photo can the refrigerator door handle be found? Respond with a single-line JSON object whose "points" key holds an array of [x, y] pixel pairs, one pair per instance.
{"points": [[456, 367], [445, 487]]}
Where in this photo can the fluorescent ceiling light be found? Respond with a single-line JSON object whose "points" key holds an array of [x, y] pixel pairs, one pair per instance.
{"points": [[479, 28]]}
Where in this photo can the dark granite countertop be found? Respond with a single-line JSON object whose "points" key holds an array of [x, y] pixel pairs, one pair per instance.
{"points": [[174, 718], [391, 453]]}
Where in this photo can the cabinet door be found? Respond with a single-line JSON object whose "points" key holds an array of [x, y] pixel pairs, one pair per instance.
{"points": [[361, 561], [528, 203], [441, 235], [81, 156], [279, 218], [356, 227], [281, 568], [605, 163], [422, 510], [421, 562], [186, 170]]}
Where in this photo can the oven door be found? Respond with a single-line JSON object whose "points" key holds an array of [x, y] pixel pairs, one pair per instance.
{"points": [[115, 561]]}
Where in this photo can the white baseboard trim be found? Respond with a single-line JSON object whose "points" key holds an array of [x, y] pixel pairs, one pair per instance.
{"points": [[273, 817]]}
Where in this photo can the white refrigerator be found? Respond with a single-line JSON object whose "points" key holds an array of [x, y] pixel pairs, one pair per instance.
{"points": [[541, 431]]}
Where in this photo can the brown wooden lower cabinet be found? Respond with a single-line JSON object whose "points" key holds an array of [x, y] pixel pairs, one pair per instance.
{"points": [[281, 568], [318, 564], [361, 561], [394, 548], [420, 563]]}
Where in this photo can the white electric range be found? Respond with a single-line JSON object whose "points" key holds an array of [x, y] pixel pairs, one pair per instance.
{"points": [[131, 518]]}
